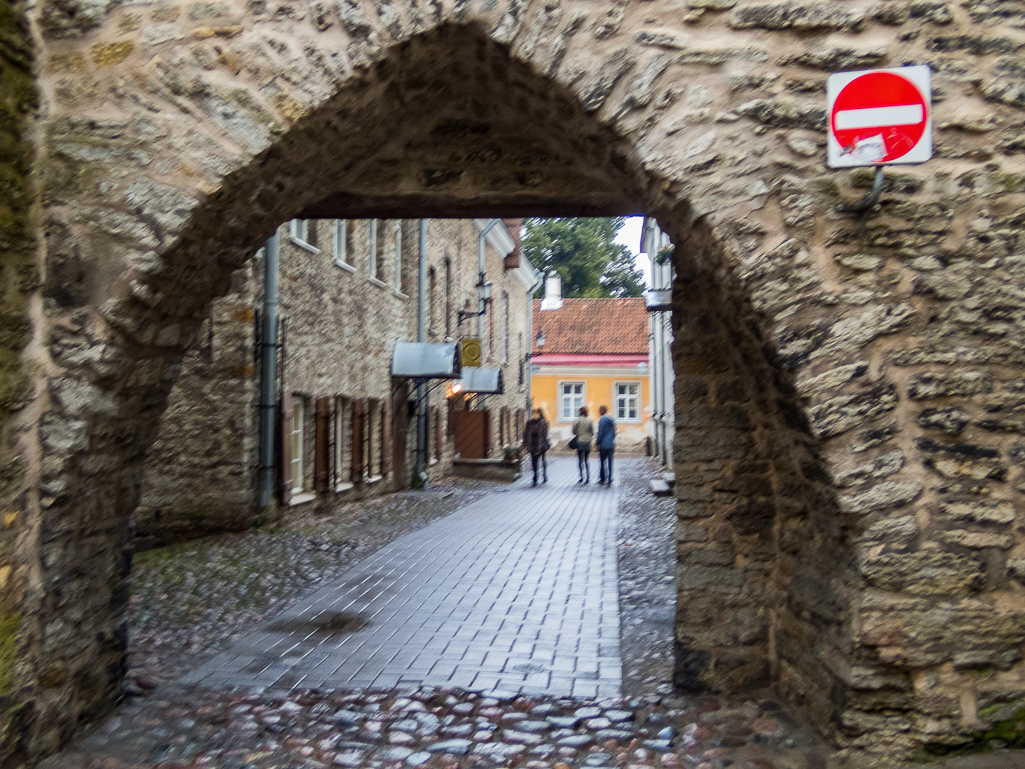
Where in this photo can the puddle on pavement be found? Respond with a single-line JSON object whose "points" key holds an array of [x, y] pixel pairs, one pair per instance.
{"points": [[327, 624]]}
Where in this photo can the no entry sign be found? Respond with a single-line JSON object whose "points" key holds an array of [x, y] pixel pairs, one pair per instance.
{"points": [[879, 116]]}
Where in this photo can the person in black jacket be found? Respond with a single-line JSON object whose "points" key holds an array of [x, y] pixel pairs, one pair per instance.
{"points": [[535, 441]]}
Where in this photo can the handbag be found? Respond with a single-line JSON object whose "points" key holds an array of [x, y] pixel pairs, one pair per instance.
{"points": [[573, 442]]}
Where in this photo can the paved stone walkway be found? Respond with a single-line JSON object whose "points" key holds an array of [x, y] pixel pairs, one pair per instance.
{"points": [[516, 592]]}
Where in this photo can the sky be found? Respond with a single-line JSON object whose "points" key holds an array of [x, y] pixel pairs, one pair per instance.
{"points": [[630, 236]]}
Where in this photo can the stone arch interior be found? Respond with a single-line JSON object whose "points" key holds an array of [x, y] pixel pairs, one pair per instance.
{"points": [[451, 125]]}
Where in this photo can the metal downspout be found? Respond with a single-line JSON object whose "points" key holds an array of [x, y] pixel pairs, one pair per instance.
{"points": [[421, 336], [268, 373], [480, 272], [530, 341]]}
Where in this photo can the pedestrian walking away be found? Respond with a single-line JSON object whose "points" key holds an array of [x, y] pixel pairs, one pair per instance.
{"points": [[583, 434], [606, 442], [535, 441]]}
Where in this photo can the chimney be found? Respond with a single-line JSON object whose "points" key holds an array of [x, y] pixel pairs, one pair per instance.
{"points": [[553, 292], [512, 259]]}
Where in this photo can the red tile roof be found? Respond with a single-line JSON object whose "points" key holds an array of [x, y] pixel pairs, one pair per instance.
{"points": [[593, 326]]}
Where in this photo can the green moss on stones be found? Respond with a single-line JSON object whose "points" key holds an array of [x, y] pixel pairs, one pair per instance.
{"points": [[18, 277], [1007, 732]]}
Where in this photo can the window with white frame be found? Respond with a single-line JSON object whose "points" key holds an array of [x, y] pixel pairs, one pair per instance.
{"points": [[302, 234], [342, 242], [505, 327], [381, 238], [298, 442], [571, 400], [343, 439], [397, 276], [372, 249], [628, 401]]}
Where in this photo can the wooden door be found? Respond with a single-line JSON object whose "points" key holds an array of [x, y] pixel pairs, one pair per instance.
{"points": [[472, 433]]}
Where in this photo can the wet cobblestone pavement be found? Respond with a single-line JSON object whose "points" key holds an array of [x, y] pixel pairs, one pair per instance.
{"points": [[434, 728], [193, 600]]}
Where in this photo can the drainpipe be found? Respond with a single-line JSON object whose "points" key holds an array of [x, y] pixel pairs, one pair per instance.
{"points": [[268, 374], [421, 336], [480, 271], [530, 339]]}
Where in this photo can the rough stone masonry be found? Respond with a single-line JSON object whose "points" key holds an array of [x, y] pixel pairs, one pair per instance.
{"points": [[851, 410]]}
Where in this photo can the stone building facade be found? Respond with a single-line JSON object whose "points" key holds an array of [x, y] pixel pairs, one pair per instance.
{"points": [[348, 291], [849, 441], [657, 246]]}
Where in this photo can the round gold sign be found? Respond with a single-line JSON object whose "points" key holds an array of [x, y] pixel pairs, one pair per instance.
{"points": [[471, 353]]}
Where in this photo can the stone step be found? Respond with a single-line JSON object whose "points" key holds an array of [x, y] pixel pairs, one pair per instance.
{"points": [[660, 488], [669, 478]]}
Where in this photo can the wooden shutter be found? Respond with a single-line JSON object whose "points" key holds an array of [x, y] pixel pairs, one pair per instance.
{"points": [[332, 448], [369, 421], [358, 410], [285, 455], [386, 436], [322, 444], [438, 442]]}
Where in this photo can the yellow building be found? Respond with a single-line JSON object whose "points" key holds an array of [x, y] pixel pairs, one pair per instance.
{"points": [[591, 352]]}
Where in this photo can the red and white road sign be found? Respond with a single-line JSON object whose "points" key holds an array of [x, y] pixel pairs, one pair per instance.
{"points": [[879, 116]]}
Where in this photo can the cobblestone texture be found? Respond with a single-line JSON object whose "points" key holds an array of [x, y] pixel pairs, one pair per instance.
{"points": [[190, 600], [170, 723], [808, 343]]}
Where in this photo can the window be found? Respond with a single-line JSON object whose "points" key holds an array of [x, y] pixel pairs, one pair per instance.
{"points": [[448, 296], [627, 401], [571, 400], [432, 301], [298, 442], [397, 276], [302, 234], [379, 238], [372, 249], [374, 439], [505, 327], [343, 242], [343, 440]]}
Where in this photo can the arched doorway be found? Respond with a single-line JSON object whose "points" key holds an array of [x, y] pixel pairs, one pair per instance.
{"points": [[513, 109]]}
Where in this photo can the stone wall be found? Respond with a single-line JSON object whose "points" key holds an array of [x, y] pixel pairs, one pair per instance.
{"points": [[343, 312], [202, 468], [19, 277], [871, 541]]}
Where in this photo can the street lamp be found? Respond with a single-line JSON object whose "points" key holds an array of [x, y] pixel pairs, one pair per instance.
{"points": [[540, 341], [483, 295]]}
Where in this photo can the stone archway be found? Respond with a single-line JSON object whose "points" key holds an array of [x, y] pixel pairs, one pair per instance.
{"points": [[856, 536]]}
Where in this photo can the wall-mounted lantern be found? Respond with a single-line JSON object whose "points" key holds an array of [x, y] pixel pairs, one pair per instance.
{"points": [[484, 287]]}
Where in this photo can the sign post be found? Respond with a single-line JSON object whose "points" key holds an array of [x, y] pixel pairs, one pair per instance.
{"points": [[879, 117]]}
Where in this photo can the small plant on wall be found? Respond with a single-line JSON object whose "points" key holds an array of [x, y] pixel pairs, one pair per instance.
{"points": [[664, 254]]}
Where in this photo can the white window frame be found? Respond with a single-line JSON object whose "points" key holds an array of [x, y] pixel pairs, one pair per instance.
{"points": [[574, 409], [505, 327], [635, 397], [298, 436], [397, 278], [341, 245], [299, 232], [372, 254]]}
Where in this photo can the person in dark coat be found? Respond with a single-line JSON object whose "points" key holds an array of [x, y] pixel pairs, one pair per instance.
{"points": [[583, 431], [606, 442], [535, 441]]}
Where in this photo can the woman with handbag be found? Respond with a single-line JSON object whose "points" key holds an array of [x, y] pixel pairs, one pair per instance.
{"points": [[535, 441], [583, 434]]}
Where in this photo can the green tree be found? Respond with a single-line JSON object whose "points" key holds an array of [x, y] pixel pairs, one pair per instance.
{"points": [[582, 252]]}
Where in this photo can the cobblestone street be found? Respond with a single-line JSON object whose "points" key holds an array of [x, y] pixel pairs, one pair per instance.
{"points": [[490, 637]]}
